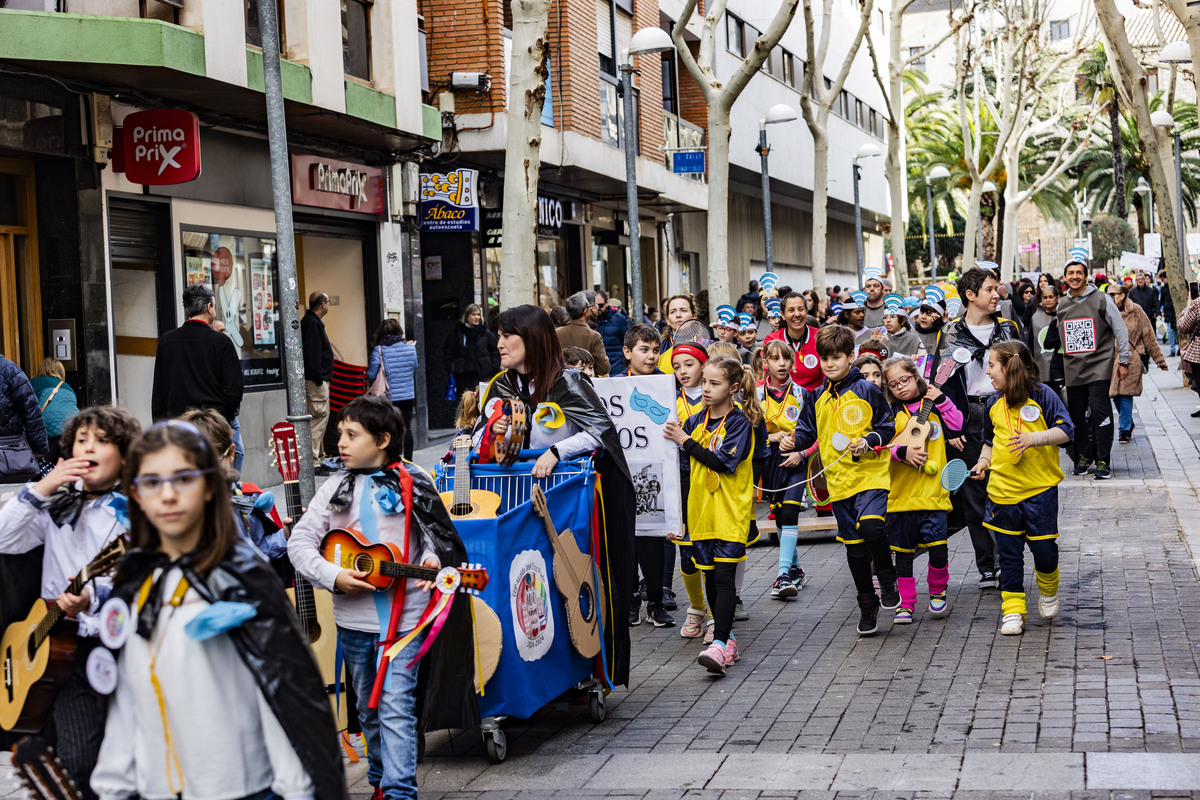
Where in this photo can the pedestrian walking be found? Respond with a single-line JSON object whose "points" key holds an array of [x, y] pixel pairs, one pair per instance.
{"points": [[801, 339], [1189, 361], [195, 366], [56, 401], [23, 437], [1142, 342], [397, 357], [1044, 320], [1025, 425], [470, 353], [583, 308], [611, 324], [318, 371]]}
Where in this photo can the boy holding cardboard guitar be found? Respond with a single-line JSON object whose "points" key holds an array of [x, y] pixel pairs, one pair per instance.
{"points": [[389, 502], [74, 513]]}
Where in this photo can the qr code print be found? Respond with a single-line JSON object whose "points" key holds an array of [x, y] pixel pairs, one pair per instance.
{"points": [[1080, 335]]}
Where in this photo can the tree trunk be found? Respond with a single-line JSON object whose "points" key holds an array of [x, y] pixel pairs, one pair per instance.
{"points": [[1154, 143], [1118, 155], [522, 158], [974, 200], [1140, 215], [1011, 253], [893, 165], [820, 204], [718, 202]]}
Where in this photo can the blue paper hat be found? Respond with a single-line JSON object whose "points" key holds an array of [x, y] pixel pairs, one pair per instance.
{"points": [[726, 316], [746, 321], [912, 302], [934, 294], [836, 308], [857, 300], [953, 307], [892, 304], [988, 265], [893, 299], [768, 282], [774, 308], [873, 272], [1078, 255]]}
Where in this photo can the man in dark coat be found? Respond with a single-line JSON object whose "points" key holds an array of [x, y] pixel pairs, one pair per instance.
{"points": [[612, 325], [1145, 294], [196, 367], [318, 370]]}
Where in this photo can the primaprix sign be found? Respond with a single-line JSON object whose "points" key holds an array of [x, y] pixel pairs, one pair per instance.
{"points": [[342, 185], [161, 147]]}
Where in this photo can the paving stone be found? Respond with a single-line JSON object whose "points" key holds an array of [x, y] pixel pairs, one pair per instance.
{"points": [[1023, 772], [1143, 771]]}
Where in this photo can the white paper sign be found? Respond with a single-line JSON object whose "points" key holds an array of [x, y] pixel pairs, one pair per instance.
{"points": [[640, 406], [1153, 244], [1138, 261], [529, 596]]}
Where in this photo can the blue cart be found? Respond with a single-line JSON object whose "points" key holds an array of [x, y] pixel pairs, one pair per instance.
{"points": [[538, 662]]}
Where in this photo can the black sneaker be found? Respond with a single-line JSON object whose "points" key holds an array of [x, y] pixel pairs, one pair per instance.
{"points": [[658, 616], [989, 580], [868, 606], [1103, 473], [1081, 466], [635, 613], [1125, 436], [783, 588], [669, 602], [889, 595], [797, 577]]}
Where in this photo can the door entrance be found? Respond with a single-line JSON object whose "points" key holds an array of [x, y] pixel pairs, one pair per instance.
{"points": [[21, 338]]}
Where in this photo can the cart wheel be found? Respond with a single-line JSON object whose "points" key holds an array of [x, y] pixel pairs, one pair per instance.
{"points": [[496, 744], [596, 707]]}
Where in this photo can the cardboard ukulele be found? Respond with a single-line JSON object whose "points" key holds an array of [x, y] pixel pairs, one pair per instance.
{"points": [[577, 581], [918, 429]]}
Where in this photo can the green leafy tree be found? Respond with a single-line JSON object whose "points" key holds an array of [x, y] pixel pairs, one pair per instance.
{"points": [[1111, 236], [1098, 86]]}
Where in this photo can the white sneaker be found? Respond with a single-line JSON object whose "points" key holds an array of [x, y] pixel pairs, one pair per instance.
{"points": [[1012, 624], [1048, 606]]}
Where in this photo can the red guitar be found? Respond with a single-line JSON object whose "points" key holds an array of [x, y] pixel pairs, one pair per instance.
{"points": [[349, 550]]}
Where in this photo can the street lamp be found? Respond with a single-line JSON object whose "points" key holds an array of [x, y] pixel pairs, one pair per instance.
{"points": [[936, 174], [780, 112], [1143, 189], [1163, 119], [868, 150], [644, 42], [988, 186]]}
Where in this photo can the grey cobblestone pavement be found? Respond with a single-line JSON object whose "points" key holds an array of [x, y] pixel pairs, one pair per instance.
{"points": [[1103, 702]]}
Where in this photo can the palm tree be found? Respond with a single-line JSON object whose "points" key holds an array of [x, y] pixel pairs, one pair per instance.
{"points": [[1097, 84]]}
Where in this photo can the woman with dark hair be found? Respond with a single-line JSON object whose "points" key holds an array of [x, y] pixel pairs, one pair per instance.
{"points": [[534, 373], [399, 360], [470, 351], [203, 626]]}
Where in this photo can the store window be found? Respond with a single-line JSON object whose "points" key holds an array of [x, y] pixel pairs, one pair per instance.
{"points": [[552, 279], [254, 25], [356, 38], [242, 272]]}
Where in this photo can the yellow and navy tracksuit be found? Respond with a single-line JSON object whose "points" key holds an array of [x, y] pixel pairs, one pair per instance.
{"points": [[685, 409], [1022, 505], [858, 485], [918, 503], [782, 407]]}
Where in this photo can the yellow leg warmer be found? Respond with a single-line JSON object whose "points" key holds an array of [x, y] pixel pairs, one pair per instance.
{"points": [[694, 584], [1012, 603], [1047, 582]]}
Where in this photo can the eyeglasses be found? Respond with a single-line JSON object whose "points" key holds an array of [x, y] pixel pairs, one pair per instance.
{"points": [[905, 381], [182, 482]]}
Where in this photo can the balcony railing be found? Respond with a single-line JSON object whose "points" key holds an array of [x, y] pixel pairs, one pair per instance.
{"points": [[681, 133]]}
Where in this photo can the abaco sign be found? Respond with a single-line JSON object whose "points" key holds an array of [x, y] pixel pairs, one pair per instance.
{"points": [[160, 147], [450, 201]]}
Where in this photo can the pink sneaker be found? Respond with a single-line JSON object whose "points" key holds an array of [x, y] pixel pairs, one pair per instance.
{"points": [[713, 659], [731, 652], [694, 623], [710, 632]]}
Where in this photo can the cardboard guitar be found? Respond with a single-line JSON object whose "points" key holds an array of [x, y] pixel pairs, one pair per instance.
{"points": [[577, 581]]}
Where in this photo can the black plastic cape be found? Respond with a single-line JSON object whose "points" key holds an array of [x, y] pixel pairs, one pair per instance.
{"points": [[271, 645], [580, 403]]}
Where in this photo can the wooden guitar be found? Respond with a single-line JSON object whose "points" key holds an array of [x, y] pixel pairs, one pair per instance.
{"points": [[314, 608], [41, 772], [506, 448], [349, 550], [462, 501], [577, 581], [919, 428], [39, 654]]}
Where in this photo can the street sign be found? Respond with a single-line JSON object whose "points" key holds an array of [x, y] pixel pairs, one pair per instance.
{"points": [[161, 147], [687, 162]]}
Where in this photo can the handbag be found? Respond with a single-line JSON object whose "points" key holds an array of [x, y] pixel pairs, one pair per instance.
{"points": [[379, 387], [16, 458]]}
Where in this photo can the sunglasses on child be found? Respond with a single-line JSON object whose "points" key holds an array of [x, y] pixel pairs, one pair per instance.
{"points": [[182, 482]]}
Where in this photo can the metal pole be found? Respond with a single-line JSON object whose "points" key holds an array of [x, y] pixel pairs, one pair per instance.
{"points": [[858, 248], [763, 153], [285, 245], [635, 244], [932, 244], [1179, 226]]}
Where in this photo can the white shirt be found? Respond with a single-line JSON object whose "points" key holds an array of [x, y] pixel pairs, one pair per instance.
{"points": [[25, 524], [355, 611], [572, 441], [978, 383], [228, 741]]}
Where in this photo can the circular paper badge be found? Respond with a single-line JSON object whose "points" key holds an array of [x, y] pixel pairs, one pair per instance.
{"points": [[810, 361], [1030, 412], [791, 413], [116, 623], [715, 442], [935, 431], [962, 355], [102, 670]]}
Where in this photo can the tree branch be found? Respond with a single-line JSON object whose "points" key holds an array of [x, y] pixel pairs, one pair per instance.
{"points": [[685, 53], [758, 55]]}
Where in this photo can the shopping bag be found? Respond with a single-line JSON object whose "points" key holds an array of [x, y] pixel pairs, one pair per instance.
{"points": [[379, 386], [451, 390]]}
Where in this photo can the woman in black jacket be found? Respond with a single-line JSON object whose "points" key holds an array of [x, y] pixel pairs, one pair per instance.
{"points": [[470, 351]]}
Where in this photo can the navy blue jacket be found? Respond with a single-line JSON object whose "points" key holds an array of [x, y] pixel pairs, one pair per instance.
{"points": [[612, 327], [19, 412]]}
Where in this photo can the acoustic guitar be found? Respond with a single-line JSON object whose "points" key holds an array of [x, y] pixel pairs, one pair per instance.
{"points": [[462, 501], [39, 654], [314, 608], [577, 581], [41, 772], [349, 550], [918, 429]]}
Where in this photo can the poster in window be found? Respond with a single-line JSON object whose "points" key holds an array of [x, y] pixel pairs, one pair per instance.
{"points": [[264, 302], [198, 270]]}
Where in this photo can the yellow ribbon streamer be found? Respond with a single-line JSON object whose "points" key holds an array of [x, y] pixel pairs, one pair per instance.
{"points": [[395, 649]]}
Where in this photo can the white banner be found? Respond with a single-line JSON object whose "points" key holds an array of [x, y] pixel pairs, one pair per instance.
{"points": [[1138, 261], [1152, 244], [640, 406]]}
